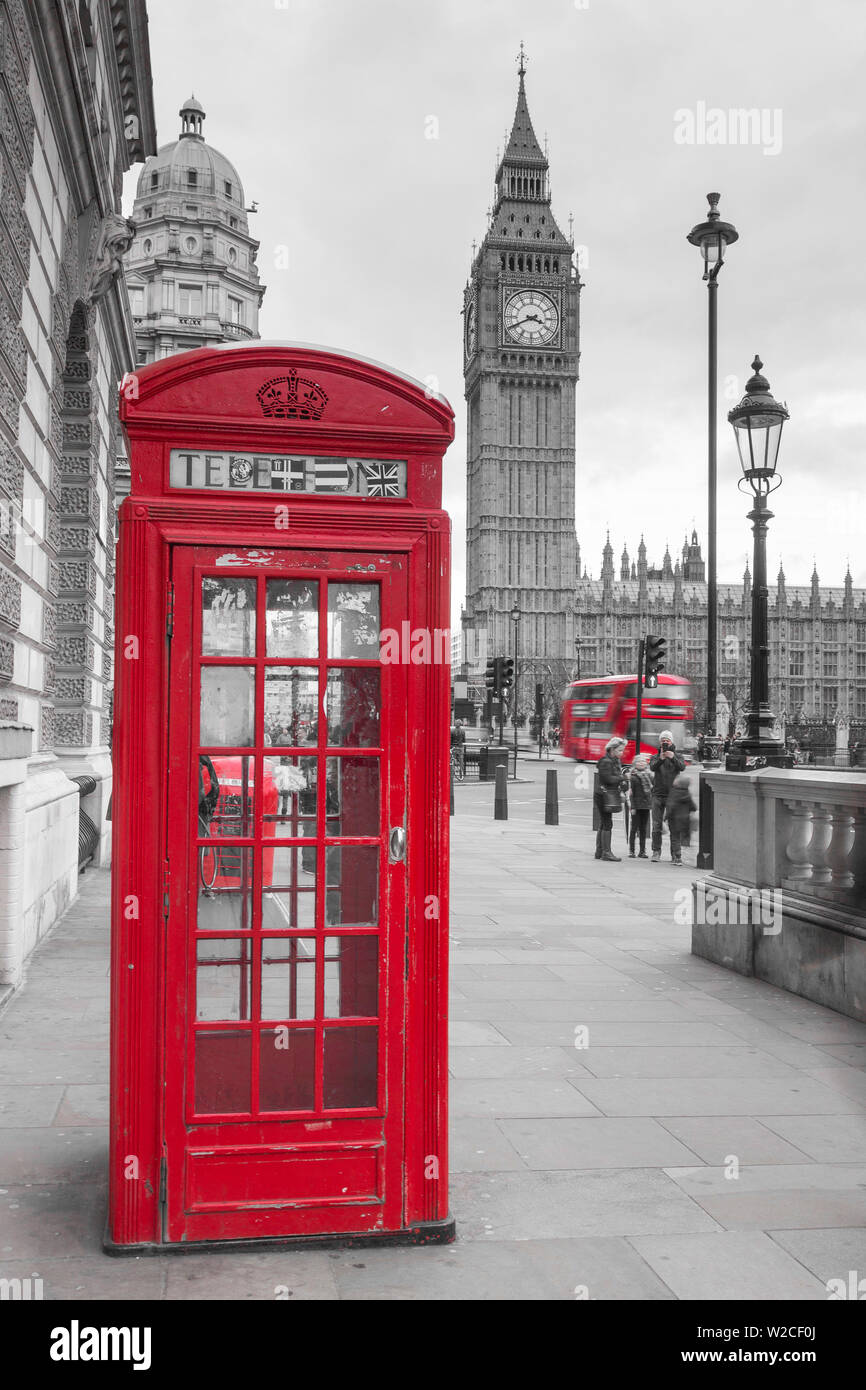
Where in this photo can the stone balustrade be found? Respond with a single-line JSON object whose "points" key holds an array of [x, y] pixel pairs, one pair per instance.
{"points": [[799, 838]]}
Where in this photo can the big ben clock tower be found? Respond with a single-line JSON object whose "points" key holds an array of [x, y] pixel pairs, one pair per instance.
{"points": [[521, 350]]}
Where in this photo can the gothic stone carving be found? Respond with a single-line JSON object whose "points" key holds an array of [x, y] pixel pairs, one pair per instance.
{"points": [[114, 240]]}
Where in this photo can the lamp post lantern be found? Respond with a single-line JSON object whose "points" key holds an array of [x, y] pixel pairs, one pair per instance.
{"points": [[757, 422], [712, 238]]}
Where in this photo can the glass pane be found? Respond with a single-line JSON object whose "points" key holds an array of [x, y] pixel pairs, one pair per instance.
{"points": [[292, 618], [222, 1072], [225, 796], [351, 976], [228, 617], [291, 707], [223, 978], [225, 881], [294, 796], [227, 696], [287, 1062], [353, 882], [289, 977], [353, 703], [353, 796], [289, 899], [353, 619], [351, 1062]]}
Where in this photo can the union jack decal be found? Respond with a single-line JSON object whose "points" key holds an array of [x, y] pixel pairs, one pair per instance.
{"points": [[383, 479]]}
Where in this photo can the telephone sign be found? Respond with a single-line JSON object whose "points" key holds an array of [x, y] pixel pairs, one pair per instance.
{"points": [[280, 880]]}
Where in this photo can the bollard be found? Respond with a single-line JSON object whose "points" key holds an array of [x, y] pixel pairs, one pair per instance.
{"points": [[500, 798], [551, 799]]}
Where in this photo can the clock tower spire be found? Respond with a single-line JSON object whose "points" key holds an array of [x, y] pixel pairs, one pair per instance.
{"points": [[521, 352]]}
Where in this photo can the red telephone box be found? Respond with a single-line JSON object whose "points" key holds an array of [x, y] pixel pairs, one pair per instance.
{"points": [[280, 883]]}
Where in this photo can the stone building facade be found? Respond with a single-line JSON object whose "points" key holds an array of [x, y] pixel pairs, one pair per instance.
{"points": [[817, 633], [76, 109], [191, 270]]}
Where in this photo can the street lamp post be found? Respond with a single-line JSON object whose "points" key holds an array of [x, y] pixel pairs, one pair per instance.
{"points": [[515, 618], [712, 237], [577, 654], [757, 423]]}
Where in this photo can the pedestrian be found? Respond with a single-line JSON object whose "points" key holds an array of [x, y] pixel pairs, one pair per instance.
{"points": [[665, 766], [458, 745], [678, 812], [640, 784], [612, 782]]}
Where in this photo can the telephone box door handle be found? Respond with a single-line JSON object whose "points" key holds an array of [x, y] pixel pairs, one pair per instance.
{"points": [[397, 845]]}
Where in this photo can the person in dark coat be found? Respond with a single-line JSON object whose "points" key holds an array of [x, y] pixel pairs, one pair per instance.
{"points": [[612, 782], [665, 765], [680, 805], [640, 786]]}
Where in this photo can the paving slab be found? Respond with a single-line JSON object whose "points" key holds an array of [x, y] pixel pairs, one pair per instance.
{"points": [[476, 1035], [500, 1062], [715, 1139], [722, 1096], [594, 1143], [824, 1138], [53, 1155], [517, 1096], [726, 1266], [293, 1277], [830, 1254], [480, 1146], [551, 1204]]}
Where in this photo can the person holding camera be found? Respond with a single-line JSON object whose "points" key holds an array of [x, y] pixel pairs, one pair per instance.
{"points": [[665, 766]]}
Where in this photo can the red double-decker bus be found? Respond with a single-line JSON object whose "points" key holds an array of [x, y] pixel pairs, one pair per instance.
{"points": [[605, 707]]}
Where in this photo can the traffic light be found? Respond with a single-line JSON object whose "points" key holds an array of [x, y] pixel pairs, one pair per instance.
{"points": [[492, 675], [506, 676], [656, 651]]}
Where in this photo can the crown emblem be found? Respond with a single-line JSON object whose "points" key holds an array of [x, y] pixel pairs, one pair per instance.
{"points": [[292, 397]]}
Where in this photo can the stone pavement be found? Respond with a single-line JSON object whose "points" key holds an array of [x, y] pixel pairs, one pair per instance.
{"points": [[706, 1140]]}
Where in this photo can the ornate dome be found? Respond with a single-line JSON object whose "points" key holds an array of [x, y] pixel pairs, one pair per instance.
{"points": [[191, 167]]}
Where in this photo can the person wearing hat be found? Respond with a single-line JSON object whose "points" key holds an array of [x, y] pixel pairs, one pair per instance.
{"points": [[665, 765], [640, 785], [612, 781]]}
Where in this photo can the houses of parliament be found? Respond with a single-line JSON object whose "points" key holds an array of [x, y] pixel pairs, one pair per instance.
{"points": [[521, 315]]}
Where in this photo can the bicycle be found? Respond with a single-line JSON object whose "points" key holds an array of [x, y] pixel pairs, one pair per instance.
{"points": [[457, 769], [208, 859]]}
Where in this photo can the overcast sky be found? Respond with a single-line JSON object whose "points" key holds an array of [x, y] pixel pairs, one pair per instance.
{"points": [[323, 106]]}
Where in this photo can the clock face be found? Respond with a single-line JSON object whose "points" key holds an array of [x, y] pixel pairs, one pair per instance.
{"points": [[471, 330], [531, 318]]}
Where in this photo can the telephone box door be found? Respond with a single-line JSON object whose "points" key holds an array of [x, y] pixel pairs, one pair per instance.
{"points": [[284, 1027]]}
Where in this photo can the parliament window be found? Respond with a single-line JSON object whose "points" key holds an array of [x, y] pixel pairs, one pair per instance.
{"points": [[797, 664]]}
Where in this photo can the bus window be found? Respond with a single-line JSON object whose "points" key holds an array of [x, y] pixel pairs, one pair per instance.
{"points": [[650, 729]]}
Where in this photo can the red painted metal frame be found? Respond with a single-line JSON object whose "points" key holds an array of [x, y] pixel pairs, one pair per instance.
{"points": [[207, 399]]}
